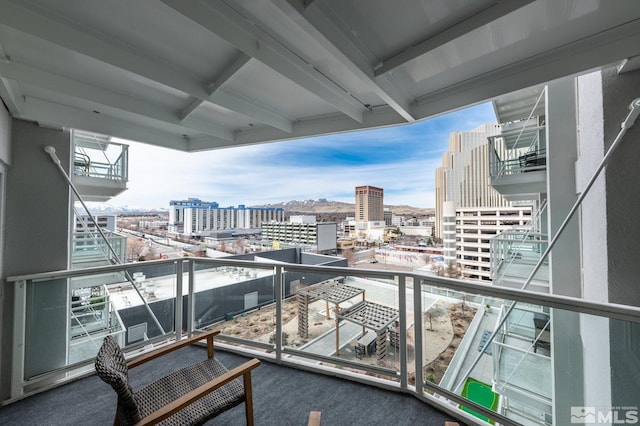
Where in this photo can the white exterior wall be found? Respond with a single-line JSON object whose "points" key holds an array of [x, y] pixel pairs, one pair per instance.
{"points": [[593, 215]]}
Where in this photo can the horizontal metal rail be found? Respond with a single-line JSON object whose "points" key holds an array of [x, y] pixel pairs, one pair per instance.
{"points": [[612, 310]]}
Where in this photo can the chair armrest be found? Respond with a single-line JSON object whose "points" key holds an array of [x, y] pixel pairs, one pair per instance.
{"points": [[178, 404], [174, 346]]}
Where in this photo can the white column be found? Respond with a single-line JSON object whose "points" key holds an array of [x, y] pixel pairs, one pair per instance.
{"points": [[564, 260]]}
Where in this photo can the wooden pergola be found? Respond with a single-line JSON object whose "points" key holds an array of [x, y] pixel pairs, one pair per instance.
{"points": [[332, 291], [375, 317]]}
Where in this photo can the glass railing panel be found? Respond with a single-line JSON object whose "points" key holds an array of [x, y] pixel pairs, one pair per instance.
{"points": [[461, 358], [456, 325], [543, 365], [237, 300], [92, 316], [66, 318], [144, 299]]}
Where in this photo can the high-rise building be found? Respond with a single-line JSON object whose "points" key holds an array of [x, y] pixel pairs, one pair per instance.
{"points": [[196, 218], [463, 177], [369, 204], [469, 212]]}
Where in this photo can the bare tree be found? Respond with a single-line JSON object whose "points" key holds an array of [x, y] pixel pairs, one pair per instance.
{"points": [[434, 311], [438, 270], [138, 249], [453, 271], [350, 256]]}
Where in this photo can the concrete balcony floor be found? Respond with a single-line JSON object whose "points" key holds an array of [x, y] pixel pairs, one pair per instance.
{"points": [[281, 396]]}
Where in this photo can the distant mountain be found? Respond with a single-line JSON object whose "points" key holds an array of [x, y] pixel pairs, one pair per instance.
{"points": [[323, 205], [98, 208]]}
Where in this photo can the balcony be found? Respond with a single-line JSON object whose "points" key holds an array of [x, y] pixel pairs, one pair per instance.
{"points": [[88, 249], [518, 162], [100, 167], [430, 336], [514, 254]]}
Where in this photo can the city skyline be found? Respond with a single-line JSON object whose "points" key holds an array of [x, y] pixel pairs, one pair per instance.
{"points": [[400, 159]]}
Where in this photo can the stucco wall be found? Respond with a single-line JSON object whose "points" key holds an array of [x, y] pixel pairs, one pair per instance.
{"points": [[623, 188], [36, 238]]}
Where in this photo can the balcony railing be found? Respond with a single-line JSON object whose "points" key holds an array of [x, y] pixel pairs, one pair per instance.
{"points": [[517, 161], [100, 158], [383, 328], [514, 254], [89, 249]]}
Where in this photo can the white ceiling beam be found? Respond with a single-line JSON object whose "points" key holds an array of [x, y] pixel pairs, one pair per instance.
{"points": [[323, 29], [629, 64], [588, 53], [224, 78], [327, 124], [228, 24], [23, 19], [495, 11], [220, 94], [100, 96], [8, 95], [257, 112], [219, 82], [57, 115]]}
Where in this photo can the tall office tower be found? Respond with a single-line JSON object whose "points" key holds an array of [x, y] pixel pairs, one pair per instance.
{"points": [[369, 204], [464, 175], [469, 212]]}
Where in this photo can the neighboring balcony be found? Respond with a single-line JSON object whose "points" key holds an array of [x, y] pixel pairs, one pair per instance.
{"points": [[522, 364], [514, 254], [100, 167], [88, 249], [518, 162]]}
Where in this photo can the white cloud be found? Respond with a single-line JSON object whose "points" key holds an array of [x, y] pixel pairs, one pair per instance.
{"points": [[400, 159]]}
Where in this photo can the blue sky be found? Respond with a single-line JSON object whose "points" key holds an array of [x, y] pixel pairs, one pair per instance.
{"points": [[400, 159]]}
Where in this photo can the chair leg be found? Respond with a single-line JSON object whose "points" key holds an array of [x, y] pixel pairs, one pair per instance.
{"points": [[248, 402], [314, 418]]}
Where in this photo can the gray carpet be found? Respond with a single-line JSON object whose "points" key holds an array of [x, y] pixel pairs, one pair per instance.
{"points": [[282, 396]]}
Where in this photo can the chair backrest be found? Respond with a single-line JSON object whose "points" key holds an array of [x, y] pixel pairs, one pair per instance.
{"points": [[111, 367]]}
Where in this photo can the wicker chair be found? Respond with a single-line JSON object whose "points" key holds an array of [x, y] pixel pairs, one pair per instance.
{"points": [[188, 396]]}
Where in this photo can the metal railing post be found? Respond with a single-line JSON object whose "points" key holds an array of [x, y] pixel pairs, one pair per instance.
{"points": [[278, 290], [402, 345], [177, 319], [18, 347], [417, 332], [191, 315]]}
